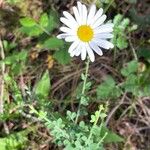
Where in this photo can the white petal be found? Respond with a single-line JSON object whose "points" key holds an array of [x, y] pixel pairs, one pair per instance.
{"points": [[104, 36], [91, 14], [76, 51], [90, 53], [68, 30], [70, 38], [84, 9], [103, 43], [104, 28], [83, 52], [77, 16], [97, 16], [73, 46], [94, 46], [62, 36], [70, 17], [79, 5], [68, 23], [99, 21]]}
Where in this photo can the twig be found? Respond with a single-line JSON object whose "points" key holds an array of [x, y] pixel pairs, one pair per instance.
{"points": [[114, 109], [2, 85], [2, 77], [133, 50]]}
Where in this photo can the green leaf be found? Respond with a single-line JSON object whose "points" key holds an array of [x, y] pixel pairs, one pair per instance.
{"points": [[131, 67], [122, 42], [31, 31], [117, 19], [111, 136], [53, 43], [132, 1], [27, 22], [53, 21], [131, 84], [44, 20], [62, 56], [14, 141], [108, 89], [144, 52], [15, 57], [42, 88], [93, 119]]}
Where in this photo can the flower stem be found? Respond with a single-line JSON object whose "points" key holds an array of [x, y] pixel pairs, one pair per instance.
{"points": [[83, 88]]}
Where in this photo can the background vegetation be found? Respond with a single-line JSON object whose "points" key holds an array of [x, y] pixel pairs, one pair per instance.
{"points": [[40, 85]]}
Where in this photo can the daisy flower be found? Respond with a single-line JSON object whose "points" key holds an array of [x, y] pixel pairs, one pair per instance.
{"points": [[86, 31]]}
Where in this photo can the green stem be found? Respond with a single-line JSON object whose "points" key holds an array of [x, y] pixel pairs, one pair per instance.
{"points": [[43, 29], [110, 3], [95, 123], [83, 89]]}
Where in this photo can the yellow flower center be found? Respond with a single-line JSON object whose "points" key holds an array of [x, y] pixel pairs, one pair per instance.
{"points": [[85, 33]]}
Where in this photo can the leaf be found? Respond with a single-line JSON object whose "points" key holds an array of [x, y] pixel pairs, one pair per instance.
{"points": [[144, 52], [44, 20], [15, 57], [53, 21], [31, 31], [132, 1], [111, 136], [27, 22], [122, 42], [131, 67], [42, 88], [131, 84], [108, 89], [53, 43], [14, 141], [117, 19], [62, 56]]}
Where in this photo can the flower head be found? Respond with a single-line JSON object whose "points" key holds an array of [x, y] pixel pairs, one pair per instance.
{"points": [[86, 31]]}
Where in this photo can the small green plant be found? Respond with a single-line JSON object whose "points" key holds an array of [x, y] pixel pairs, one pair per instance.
{"points": [[14, 141], [78, 136], [122, 28]]}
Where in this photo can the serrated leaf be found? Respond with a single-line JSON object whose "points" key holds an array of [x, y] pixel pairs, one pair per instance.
{"points": [[27, 22], [122, 42], [111, 136], [62, 56], [53, 43], [131, 84], [42, 88], [131, 67], [117, 19], [108, 89], [14, 141], [44, 20]]}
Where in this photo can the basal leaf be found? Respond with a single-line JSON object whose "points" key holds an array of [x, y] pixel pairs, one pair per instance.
{"points": [[53, 43], [44, 20], [131, 67], [27, 22], [42, 88], [62, 56]]}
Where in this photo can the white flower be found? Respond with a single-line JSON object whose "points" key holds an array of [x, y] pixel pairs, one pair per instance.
{"points": [[86, 31]]}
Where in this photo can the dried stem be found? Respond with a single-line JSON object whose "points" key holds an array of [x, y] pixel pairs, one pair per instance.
{"points": [[2, 76]]}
